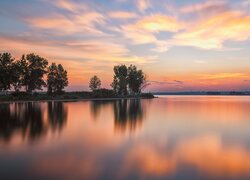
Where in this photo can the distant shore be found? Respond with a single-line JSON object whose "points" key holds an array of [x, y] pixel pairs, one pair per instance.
{"points": [[206, 93], [69, 96]]}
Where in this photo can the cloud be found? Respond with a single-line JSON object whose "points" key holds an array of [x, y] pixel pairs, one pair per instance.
{"points": [[144, 30], [158, 22], [222, 76], [122, 15], [71, 24], [212, 32], [179, 82], [78, 18], [143, 5], [69, 5], [174, 82], [205, 7]]}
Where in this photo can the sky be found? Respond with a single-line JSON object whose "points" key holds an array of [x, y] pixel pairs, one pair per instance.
{"points": [[193, 45]]}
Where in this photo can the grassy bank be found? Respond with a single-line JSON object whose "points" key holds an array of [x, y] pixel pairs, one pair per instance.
{"points": [[69, 96]]}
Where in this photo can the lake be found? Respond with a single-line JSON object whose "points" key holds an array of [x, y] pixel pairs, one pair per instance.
{"points": [[170, 137]]}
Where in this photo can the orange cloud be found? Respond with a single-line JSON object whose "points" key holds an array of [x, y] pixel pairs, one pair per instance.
{"points": [[223, 76], [143, 31], [69, 5], [73, 24], [211, 33], [156, 23]]}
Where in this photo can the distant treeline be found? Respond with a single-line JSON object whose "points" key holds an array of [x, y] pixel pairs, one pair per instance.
{"points": [[205, 93], [31, 72]]}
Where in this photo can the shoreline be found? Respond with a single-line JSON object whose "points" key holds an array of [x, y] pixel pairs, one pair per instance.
{"points": [[76, 100]]}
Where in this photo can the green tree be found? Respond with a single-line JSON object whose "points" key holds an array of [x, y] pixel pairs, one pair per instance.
{"points": [[136, 79], [95, 83], [34, 72], [6, 71], [119, 83], [57, 78]]}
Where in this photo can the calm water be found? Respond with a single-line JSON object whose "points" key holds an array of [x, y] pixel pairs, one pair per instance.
{"points": [[174, 137]]}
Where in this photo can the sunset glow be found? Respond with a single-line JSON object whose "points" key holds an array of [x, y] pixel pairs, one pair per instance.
{"points": [[180, 45]]}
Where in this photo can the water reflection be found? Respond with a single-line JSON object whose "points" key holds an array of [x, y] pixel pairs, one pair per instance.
{"points": [[57, 115], [178, 138], [31, 120], [128, 114]]}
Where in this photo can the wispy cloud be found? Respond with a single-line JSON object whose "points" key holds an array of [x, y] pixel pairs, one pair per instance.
{"points": [[205, 7], [174, 82], [84, 23], [211, 33], [222, 76], [122, 15]]}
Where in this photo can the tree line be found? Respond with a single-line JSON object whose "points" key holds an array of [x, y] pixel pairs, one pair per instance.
{"points": [[29, 72]]}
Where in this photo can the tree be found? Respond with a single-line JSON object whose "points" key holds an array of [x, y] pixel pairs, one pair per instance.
{"points": [[136, 79], [34, 72], [120, 80], [18, 69], [57, 78], [6, 75], [95, 83]]}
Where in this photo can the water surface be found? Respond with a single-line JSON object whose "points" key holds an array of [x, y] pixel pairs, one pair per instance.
{"points": [[171, 137]]}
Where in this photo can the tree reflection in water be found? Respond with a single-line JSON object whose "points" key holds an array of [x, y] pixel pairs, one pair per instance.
{"points": [[57, 115], [128, 114], [96, 107], [29, 119]]}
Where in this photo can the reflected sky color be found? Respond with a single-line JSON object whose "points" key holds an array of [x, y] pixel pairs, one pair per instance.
{"points": [[181, 45], [195, 137]]}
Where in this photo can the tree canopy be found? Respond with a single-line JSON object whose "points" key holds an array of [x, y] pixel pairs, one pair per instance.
{"points": [[6, 71], [57, 78], [34, 72], [128, 79], [29, 73], [119, 83], [95, 83], [136, 79]]}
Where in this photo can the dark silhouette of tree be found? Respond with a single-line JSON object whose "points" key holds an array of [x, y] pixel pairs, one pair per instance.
{"points": [[136, 79], [57, 78], [6, 71], [130, 77], [18, 69], [34, 72], [95, 83], [120, 80]]}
